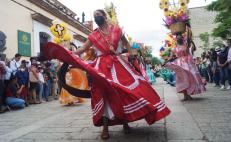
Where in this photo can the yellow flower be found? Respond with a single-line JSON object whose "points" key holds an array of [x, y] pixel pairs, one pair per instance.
{"points": [[182, 4], [183, 1], [181, 11], [183, 8], [161, 5], [166, 12], [171, 13], [166, 2], [57, 40]]}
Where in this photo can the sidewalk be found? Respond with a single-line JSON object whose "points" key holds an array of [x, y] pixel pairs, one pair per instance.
{"points": [[204, 119]]}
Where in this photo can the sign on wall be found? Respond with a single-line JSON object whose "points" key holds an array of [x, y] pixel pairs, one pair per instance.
{"points": [[24, 43]]}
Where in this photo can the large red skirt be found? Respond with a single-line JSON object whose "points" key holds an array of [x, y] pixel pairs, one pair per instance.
{"points": [[116, 85]]}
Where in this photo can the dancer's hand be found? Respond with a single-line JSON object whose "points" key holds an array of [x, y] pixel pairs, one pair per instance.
{"points": [[112, 49]]}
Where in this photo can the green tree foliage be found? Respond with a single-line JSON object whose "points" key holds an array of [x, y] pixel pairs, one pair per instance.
{"points": [[218, 43], [148, 53], [204, 37], [155, 61], [223, 18]]}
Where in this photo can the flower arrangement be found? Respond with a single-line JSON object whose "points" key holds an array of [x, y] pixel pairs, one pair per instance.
{"points": [[174, 13], [169, 45], [60, 32], [111, 11]]}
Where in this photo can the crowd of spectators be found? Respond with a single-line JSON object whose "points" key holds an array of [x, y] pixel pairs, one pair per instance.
{"points": [[215, 66], [25, 82]]}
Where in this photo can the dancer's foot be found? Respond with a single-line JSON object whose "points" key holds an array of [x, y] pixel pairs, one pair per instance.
{"points": [[185, 98], [126, 128], [105, 134], [189, 97], [80, 100]]}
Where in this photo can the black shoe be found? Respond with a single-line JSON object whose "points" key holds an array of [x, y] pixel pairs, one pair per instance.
{"points": [[26, 104], [3, 109]]}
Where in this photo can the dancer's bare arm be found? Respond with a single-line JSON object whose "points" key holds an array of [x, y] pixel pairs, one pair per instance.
{"points": [[126, 43], [85, 47]]}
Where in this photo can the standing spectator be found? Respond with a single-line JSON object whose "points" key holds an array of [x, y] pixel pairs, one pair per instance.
{"points": [[40, 84], [32, 60], [2, 87], [228, 62], [197, 62], [54, 83], [34, 79], [209, 67], [15, 63], [224, 69], [9, 71], [24, 63], [229, 54], [55, 88], [48, 80], [46, 90], [215, 68], [204, 65], [23, 79], [13, 93]]}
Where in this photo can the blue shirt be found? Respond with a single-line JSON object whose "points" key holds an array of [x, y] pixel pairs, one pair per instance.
{"points": [[23, 77]]}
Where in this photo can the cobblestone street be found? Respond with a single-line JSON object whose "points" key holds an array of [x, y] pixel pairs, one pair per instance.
{"points": [[206, 118]]}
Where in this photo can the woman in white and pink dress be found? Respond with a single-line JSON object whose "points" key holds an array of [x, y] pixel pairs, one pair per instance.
{"points": [[188, 79]]}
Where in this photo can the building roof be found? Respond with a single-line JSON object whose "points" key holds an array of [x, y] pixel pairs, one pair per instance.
{"points": [[62, 12]]}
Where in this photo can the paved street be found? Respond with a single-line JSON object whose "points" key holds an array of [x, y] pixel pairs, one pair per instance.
{"points": [[206, 118]]}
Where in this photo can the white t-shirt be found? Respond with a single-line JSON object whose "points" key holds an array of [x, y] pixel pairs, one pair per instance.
{"points": [[14, 65], [41, 78], [229, 55], [8, 73]]}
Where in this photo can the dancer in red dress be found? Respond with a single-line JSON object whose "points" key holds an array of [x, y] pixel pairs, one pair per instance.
{"points": [[137, 99], [119, 93]]}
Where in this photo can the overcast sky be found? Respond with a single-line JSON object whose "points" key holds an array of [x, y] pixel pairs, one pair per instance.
{"points": [[141, 19]]}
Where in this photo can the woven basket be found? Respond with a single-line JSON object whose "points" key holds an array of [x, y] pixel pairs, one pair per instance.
{"points": [[178, 27]]}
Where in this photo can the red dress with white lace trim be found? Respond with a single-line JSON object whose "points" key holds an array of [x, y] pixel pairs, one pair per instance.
{"points": [[132, 98]]}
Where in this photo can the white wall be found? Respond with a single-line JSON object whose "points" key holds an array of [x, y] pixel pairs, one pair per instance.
{"points": [[201, 21], [14, 17]]}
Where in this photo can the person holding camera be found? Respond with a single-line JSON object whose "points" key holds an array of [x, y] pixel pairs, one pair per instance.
{"points": [[13, 93]]}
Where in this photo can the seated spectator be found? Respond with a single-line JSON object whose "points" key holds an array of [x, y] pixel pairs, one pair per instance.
{"points": [[23, 79], [2, 73], [13, 93]]}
